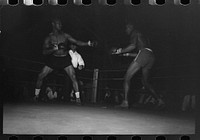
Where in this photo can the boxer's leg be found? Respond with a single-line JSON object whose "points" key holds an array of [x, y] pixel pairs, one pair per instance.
{"points": [[71, 72], [45, 71], [133, 68], [148, 86]]}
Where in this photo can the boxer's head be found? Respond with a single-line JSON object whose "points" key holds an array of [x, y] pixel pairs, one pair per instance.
{"points": [[56, 23], [129, 28]]}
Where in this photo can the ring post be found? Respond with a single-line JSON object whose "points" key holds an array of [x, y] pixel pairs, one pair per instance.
{"points": [[95, 81]]}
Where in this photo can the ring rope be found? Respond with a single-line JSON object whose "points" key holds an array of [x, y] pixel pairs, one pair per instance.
{"points": [[48, 84], [115, 70], [36, 62], [117, 79], [37, 71], [112, 89], [143, 91], [182, 77]]}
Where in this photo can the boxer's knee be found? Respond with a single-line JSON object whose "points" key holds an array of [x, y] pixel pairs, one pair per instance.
{"points": [[73, 77], [44, 73], [41, 76]]}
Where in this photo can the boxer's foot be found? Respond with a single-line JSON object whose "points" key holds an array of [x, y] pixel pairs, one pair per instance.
{"points": [[78, 101], [124, 104], [161, 105], [36, 98]]}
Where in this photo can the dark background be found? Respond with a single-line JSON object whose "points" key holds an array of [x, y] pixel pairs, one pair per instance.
{"points": [[173, 31]]}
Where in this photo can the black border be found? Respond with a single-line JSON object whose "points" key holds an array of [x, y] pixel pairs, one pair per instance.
{"points": [[195, 136]]}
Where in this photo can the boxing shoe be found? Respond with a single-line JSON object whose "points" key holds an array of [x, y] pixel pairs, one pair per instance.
{"points": [[78, 101], [161, 105], [124, 104], [36, 98]]}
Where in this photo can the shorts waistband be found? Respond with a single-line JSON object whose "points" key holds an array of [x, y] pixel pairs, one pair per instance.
{"points": [[147, 49], [59, 55]]}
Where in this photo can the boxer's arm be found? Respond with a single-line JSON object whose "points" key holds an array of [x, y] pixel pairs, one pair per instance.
{"points": [[132, 45], [47, 48], [130, 54], [129, 48], [79, 43]]}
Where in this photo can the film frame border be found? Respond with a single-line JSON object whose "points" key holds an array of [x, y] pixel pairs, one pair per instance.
{"points": [[98, 137], [90, 2]]}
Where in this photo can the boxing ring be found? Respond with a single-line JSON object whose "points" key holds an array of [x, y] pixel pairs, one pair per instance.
{"points": [[97, 115]]}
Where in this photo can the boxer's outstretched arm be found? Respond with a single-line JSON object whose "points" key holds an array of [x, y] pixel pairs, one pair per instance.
{"points": [[79, 43], [131, 46]]}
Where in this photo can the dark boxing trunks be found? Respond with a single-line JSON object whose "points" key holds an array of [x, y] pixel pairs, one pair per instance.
{"points": [[145, 58], [58, 62]]}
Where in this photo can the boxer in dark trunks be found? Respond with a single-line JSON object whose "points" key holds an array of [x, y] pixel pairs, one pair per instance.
{"points": [[56, 50], [144, 60]]}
